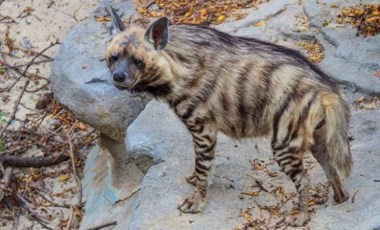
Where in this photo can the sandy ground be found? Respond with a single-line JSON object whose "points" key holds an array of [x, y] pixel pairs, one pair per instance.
{"points": [[26, 28]]}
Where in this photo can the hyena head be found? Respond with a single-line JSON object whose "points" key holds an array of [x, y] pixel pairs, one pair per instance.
{"points": [[134, 57]]}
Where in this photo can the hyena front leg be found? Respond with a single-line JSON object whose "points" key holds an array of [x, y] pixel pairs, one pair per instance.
{"points": [[289, 159], [204, 138]]}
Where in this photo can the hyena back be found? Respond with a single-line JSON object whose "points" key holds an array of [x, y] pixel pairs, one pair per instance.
{"points": [[244, 88]]}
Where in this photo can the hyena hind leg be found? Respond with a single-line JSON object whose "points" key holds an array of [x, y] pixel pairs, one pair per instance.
{"points": [[319, 152], [290, 161]]}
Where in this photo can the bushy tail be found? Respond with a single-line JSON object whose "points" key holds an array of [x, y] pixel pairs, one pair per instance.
{"points": [[336, 123]]}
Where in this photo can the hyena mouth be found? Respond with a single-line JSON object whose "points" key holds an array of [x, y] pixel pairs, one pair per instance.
{"points": [[121, 87]]}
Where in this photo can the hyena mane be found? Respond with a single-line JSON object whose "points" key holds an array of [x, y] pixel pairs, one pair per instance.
{"points": [[243, 87]]}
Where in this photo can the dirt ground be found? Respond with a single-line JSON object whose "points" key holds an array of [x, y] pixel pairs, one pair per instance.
{"points": [[38, 197]]}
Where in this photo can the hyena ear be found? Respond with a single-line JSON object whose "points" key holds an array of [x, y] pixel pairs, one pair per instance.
{"points": [[116, 20], [157, 34]]}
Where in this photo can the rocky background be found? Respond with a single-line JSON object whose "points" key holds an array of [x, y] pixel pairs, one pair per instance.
{"points": [[122, 164]]}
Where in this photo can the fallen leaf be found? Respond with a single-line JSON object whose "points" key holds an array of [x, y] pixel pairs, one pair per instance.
{"points": [[250, 193], [376, 73], [102, 19], [64, 177], [221, 18], [260, 23]]}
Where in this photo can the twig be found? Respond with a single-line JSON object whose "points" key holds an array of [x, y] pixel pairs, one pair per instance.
{"points": [[70, 217], [49, 200], [25, 64], [5, 181], [40, 219], [71, 152], [286, 201], [35, 162], [150, 4], [38, 89], [28, 65], [354, 196], [103, 225], [259, 183], [15, 108]]}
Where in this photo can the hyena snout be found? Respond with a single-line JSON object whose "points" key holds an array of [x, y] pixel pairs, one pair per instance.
{"points": [[119, 76]]}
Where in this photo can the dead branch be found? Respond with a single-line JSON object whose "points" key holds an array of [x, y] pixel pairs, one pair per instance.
{"points": [[4, 183], [26, 64], [27, 67], [15, 108], [103, 225], [35, 162], [71, 217], [73, 165], [258, 183]]}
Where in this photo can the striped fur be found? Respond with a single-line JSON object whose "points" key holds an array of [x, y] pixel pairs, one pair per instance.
{"points": [[244, 88]]}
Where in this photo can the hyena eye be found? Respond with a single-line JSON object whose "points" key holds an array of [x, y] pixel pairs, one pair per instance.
{"points": [[139, 63], [114, 58]]}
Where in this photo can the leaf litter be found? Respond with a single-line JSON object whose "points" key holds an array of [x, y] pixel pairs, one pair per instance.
{"points": [[364, 17], [37, 135]]}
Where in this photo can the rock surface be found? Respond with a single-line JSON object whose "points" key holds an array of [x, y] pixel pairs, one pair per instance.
{"points": [[158, 138], [81, 81]]}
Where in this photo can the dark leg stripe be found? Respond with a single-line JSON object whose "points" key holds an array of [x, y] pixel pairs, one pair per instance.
{"points": [[199, 164], [293, 166], [294, 172], [291, 94], [207, 137], [196, 129], [290, 129], [289, 150], [288, 159], [200, 171], [197, 138], [202, 146], [206, 157], [303, 116], [178, 100]]}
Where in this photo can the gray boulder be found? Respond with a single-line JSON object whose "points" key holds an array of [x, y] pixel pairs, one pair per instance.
{"points": [[82, 83]]}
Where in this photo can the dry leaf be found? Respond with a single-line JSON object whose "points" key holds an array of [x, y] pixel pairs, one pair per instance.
{"points": [[250, 193], [103, 19], [221, 18], [376, 73], [260, 23], [64, 177]]}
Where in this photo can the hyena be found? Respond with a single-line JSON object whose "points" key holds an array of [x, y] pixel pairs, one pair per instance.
{"points": [[244, 88]]}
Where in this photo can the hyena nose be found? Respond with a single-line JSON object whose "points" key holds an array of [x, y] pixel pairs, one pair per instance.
{"points": [[118, 77]]}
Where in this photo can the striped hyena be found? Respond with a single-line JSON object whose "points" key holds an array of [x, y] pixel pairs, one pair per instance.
{"points": [[243, 88]]}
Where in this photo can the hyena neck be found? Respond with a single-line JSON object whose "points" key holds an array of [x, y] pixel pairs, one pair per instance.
{"points": [[176, 77]]}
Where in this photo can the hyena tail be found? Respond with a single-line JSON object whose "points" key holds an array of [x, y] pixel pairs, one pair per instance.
{"points": [[336, 113]]}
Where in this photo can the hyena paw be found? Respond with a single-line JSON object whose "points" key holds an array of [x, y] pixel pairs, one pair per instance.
{"points": [[193, 204], [341, 195], [298, 220], [192, 179]]}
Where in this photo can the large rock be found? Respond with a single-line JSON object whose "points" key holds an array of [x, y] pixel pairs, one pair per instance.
{"points": [[82, 83]]}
